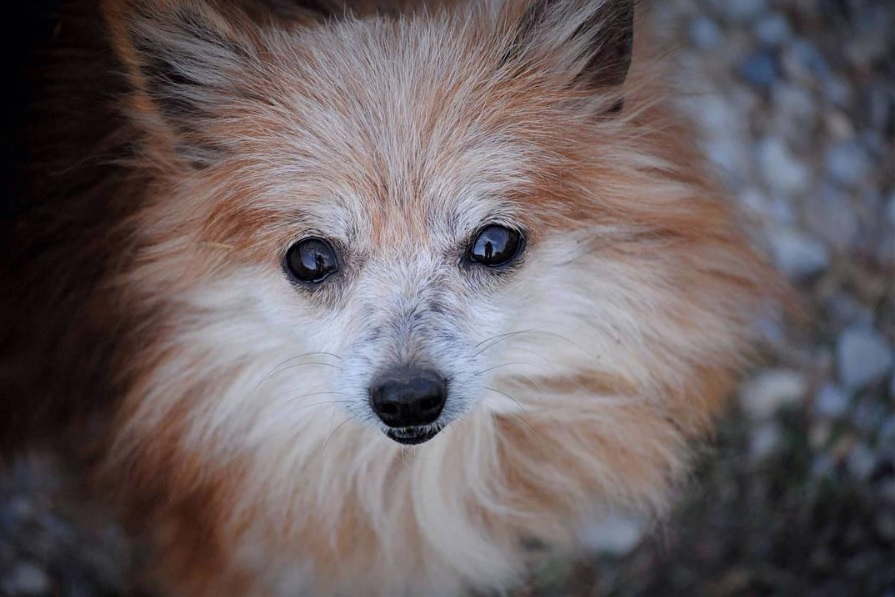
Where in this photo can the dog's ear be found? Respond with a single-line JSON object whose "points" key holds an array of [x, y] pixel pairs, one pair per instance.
{"points": [[184, 60], [588, 41]]}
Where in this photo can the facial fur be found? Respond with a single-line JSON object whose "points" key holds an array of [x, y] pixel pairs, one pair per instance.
{"points": [[575, 375]]}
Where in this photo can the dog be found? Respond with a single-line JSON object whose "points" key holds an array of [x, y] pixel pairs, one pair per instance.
{"points": [[368, 297]]}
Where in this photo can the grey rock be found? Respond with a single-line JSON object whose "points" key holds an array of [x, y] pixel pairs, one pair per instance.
{"points": [[797, 254], [832, 217], [803, 61], [28, 579], [823, 466], [773, 29], [877, 100], [742, 10], [861, 462], [885, 525], [864, 50], [794, 105], [837, 90], [760, 68], [705, 33], [848, 163], [867, 416], [862, 356], [769, 391], [725, 132], [847, 310], [782, 170], [765, 441], [886, 435], [831, 401], [615, 534], [886, 490], [887, 239]]}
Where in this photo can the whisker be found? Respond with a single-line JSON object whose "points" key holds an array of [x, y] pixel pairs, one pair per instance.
{"points": [[529, 428], [280, 369], [483, 371], [324, 403], [339, 426], [303, 396], [495, 340]]}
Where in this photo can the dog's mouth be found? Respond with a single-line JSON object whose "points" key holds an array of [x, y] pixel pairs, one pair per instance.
{"points": [[412, 436]]}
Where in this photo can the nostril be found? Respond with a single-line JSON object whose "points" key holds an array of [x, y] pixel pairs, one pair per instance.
{"points": [[408, 397], [388, 409]]}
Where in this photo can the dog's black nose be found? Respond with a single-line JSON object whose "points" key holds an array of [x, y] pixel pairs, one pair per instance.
{"points": [[408, 397]]}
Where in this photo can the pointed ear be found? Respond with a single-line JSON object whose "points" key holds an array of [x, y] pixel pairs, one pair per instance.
{"points": [[588, 41], [184, 59]]}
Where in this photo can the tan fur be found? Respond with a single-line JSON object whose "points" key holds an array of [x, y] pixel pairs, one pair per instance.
{"points": [[595, 364]]}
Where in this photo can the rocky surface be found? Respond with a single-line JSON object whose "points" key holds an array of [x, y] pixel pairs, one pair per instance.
{"points": [[796, 107]]}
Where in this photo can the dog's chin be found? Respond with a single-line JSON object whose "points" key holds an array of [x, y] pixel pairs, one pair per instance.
{"points": [[413, 436]]}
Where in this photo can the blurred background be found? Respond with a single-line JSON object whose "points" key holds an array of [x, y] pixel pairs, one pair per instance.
{"points": [[794, 101]]}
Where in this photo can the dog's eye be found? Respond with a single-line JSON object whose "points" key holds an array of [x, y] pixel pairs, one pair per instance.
{"points": [[312, 260], [496, 246]]}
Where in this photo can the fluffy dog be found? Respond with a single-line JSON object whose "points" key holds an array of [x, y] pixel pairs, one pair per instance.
{"points": [[365, 299]]}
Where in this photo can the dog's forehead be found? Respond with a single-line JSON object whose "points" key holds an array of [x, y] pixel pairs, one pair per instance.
{"points": [[395, 134], [413, 147]]}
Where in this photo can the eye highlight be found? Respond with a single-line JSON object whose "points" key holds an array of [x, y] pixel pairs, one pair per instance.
{"points": [[311, 260], [496, 246]]}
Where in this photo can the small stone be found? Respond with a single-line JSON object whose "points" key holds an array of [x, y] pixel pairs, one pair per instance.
{"points": [[725, 132], [803, 61], [28, 579], [741, 11], [847, 310], [615, 534], [864, 50], [705, 33], [798, 255], [780, 168], [868, 415], [886, 490], [760, 69], [823, 466], [837, 90], [861, 461], [862, 356], [769, 391], [831, 402], [877, 102], [773, 29], [765, 441], [832, 217], [885, 526], [819, 436], [839, 125], [794, 105], [848, 163]]}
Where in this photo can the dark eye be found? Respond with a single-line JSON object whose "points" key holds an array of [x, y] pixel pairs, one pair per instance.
{"points": [[312, 260], [496, 246]]}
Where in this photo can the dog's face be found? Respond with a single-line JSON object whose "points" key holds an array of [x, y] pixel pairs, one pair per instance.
{"points": [[471, 226], [460, 226], [399, 204]]}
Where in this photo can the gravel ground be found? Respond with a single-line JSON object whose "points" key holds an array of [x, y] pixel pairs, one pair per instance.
{"points": [[795, 100]]}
